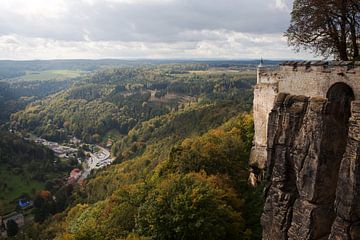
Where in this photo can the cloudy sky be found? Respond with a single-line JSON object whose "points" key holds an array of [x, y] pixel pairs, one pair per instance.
{"points": [[181, 29]]}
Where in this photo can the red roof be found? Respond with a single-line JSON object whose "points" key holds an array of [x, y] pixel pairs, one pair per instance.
{"points": [[75, 172]]}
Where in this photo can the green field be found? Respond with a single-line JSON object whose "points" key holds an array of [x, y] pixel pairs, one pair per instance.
{"points": [[215, 71], [16, 185], [221, 71], [57, 75]]}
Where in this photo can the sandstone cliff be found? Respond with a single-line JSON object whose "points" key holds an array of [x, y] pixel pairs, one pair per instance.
{"points": [[313, 168]]}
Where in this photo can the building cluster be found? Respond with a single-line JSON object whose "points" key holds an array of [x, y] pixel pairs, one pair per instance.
{"points": [[24, 207], [59, 150]]}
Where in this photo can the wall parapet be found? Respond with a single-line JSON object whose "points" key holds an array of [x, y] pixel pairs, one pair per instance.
{"points": [[288, 69], [317, 66], [326, 66]]}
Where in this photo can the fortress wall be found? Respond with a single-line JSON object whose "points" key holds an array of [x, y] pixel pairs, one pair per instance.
{"points": [[316, 82], [264, 97], [312, 79]]}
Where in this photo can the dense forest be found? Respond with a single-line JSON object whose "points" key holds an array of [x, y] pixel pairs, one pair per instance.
{"points": [[116, 100], [197, 189], [12, 69], [181, 137], [14, 96]]}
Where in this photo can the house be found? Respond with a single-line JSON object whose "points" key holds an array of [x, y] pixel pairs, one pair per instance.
{"points": [[75, 174], [24, 203], [17, 217], [75, 141], [109, 143]]}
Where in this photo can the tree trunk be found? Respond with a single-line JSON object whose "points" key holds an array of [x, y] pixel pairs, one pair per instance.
{"points": [[355, 46], [343, 31], [339, 45], [354, 23]]}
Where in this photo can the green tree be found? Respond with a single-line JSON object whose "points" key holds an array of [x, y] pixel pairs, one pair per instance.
{"points": [[11, 228], [192, 206], [328, 27]]}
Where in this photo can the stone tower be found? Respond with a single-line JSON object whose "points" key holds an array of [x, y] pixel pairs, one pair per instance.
{"points": [[260, 69], [264, 96]]}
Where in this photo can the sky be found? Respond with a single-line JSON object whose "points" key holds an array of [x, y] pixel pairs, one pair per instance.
{"points": [[138, 29]]}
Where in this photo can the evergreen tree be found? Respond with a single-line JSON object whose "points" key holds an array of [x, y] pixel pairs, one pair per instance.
{"points": [[11, 228]]}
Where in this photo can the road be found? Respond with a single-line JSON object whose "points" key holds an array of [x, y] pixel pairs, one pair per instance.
{"points": [[97, 160]]}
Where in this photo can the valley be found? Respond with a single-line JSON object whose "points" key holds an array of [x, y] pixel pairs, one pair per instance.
{"points": [[121, 129], [179, 120]]}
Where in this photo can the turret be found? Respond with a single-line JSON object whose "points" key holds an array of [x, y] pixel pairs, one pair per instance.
{"points": [[260, 69]]}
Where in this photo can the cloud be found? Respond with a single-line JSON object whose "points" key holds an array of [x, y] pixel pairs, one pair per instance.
{"points": [[143, 28], [282, 5], [231, 45], [138, 20]]}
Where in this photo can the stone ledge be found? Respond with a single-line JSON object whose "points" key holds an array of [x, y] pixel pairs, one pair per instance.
{"points": [[321, 63], [319, 66]]}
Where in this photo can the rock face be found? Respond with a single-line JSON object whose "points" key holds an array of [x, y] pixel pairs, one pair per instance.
{"points": [[313, 167], [312, 78]]}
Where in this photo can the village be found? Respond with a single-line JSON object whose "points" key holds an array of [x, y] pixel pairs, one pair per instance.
{"points": [[93, 157], [96, 157]]}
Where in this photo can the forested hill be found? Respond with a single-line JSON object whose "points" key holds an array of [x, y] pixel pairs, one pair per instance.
{"points": [[14, 96], [112, 102], [10, 69], [181, 136], [193, 188]]}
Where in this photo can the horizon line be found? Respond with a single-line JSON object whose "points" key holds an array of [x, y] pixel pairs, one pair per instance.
{"points": [[161, 59]]}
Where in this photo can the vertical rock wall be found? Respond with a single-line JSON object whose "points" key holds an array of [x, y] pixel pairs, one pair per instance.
{"points": [[311, 78], [264, 96], [347, 204], [313, 169]]}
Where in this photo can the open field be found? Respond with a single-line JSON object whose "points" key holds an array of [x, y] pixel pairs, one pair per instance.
{"points": [[16, 185], [221, 70], [57, 75], [214, 71]]}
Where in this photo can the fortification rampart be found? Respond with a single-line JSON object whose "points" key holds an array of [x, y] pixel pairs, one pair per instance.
{"points": [[311, 79]]}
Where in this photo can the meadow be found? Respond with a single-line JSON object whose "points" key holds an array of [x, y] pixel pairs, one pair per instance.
{"points": [[55, 75], [16, 185]]}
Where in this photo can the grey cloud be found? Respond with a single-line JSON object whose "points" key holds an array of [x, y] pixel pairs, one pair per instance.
{"points": [[229, 29], [154, 21], [232, 46]]}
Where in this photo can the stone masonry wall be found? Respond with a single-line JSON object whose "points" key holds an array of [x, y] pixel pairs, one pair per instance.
{"points": [[312, 79], [307, 150]]}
